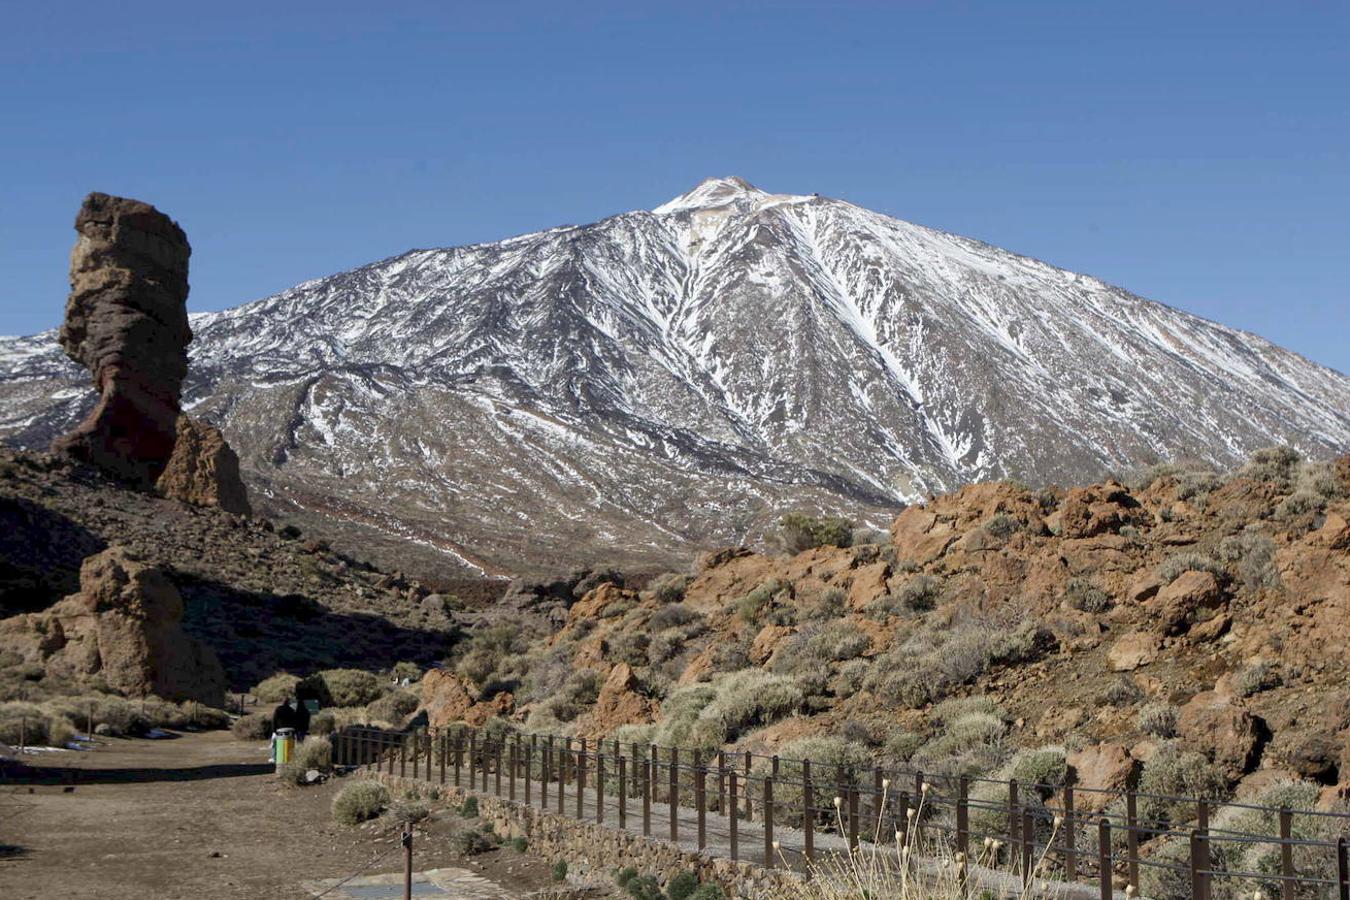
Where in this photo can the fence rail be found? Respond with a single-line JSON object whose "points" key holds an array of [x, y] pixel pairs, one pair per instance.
{"points": [[802, 808]]}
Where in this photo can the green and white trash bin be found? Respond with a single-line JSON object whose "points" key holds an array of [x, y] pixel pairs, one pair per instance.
{"points": [[283, 746]]}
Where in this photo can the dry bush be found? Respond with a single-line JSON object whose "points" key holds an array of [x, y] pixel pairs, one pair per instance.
{"points": [[252, 727], [393, 708], [1158, 719], [802, 532], [669, 588], [359, 801], [277, 688]]}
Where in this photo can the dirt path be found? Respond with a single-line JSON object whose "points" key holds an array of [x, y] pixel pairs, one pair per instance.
{"points": [[200, 816]]}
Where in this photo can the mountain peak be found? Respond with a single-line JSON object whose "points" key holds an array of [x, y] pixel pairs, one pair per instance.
{"points": [[713, 192]]}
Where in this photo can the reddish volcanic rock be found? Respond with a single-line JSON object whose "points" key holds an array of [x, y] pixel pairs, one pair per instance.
{"points": [[126, 321]]}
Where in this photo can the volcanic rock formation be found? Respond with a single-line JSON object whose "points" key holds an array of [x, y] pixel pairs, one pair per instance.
{"points": [[126, 321], [124, 625]]}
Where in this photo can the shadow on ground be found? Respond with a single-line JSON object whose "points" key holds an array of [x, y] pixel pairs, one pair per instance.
{"points": [[22, 774]]}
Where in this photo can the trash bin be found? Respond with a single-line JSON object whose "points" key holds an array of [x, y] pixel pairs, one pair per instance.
{"points": [[283, 746]]}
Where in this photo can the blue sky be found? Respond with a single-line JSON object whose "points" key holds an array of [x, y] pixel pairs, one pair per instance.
{"points": [[1195, 153]]}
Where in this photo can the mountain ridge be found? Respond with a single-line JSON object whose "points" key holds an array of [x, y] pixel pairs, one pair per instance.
{"points": [[659, 381]]}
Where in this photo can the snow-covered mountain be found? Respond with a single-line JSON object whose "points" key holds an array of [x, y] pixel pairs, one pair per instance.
{"points": [[662, 381]]}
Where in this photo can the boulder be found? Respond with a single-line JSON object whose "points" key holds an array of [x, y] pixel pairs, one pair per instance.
{"points": [[124, 626], [1192, 596], [1132, 650], [1225, 732], [126, 322], [203, 469], [766, 642], [620, 703], [919, 537], [1096, 509], [1099, 771], [448, 697]]}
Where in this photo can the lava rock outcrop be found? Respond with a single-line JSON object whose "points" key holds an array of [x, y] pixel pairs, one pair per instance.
{"points": [[126, 321]]}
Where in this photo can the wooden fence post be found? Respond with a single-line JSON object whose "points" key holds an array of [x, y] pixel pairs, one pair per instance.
{"points": [[808, 811], [1014, 824], [623, 792], [1070, 854], [1286, 855], [766, 814], [1104, 858], [1132, 837], [963, 816], [648, 774], [700, 798], [1343, 868], [731, 784], [674, 794], [581, 780], [599, 782]]}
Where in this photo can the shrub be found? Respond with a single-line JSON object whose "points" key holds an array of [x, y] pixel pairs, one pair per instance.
{"points": [[709, 891], [673, 615], [344, 687], [578, 692], [644, 887], [1300, 509], [1121, 692], [1083, 595], [1174, 566], [409, 670], [252, 727], [826, 753], [487, 648], [1254, 554], [752, 607], [469, 808], [803, 532], [520, 844], [560, 870], [669, 588], [1042, 770], [408, 812], [473, 841], [1273, 464], [1310, 861], [1177, 773], [623, 876], [276, 688], [682, 886], [829, 605], [359, 801], [919, 594], [393, 707], [1258, 677], [971, 744], [1001, 527], [26, 718], [322, 723], [749, 698], [850, 678], [900, 746], [1158, 719]]}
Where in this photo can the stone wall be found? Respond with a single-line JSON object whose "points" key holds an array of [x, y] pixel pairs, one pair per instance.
{"points": [[595, 852]]}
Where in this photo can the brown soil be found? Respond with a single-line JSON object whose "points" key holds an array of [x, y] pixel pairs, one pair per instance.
{"points": [[201, 816]]}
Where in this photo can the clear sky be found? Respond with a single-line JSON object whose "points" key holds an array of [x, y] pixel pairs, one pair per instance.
{"points": [[1196, 153]]}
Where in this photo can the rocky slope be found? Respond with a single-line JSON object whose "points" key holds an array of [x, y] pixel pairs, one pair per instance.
{"points": [[1185, 613], [631, 391], [259, 598]]}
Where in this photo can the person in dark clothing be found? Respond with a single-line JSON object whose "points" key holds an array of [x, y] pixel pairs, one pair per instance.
{"points": [[284, 716], [301, 714]]}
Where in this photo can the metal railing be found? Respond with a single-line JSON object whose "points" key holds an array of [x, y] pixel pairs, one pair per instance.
{"points": [[798, 809]]}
